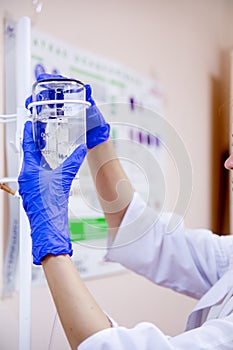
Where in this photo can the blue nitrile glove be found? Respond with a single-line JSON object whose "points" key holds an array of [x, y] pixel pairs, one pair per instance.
{"points": [[97, 129], [45, 195]]}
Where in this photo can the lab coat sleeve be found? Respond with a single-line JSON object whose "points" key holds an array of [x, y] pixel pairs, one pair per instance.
{"points": [[185, 260], [215, 334]]}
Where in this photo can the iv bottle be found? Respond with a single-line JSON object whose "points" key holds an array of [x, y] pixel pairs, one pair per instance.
{"points": [[59, 118]]}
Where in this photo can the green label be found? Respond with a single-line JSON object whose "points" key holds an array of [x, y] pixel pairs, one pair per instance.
{"points": [[88, 229]]}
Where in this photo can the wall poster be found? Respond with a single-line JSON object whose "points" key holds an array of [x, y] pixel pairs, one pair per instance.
{"points": [[121, 94]]}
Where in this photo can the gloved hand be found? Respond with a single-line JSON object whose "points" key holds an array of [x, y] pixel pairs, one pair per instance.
{"points": [[97, 130], [45, 195]]}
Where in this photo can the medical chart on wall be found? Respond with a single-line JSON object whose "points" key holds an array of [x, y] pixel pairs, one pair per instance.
{"points": [[121, 94]]}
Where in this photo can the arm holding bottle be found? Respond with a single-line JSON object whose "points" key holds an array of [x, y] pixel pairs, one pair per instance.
{"points": [[45, 195], [113, 187]]}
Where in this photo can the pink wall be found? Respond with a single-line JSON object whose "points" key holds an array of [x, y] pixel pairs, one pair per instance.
{"points": [[186, 46]]}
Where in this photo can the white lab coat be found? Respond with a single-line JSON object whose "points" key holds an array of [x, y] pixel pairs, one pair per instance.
{"points": [[194, 262]]}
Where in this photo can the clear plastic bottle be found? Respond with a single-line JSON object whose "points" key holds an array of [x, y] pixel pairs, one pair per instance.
{"points": [[59, 118]]}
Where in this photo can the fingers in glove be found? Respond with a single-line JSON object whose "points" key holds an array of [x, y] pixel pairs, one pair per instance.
{"points": [[72, 164], [29, 148]]}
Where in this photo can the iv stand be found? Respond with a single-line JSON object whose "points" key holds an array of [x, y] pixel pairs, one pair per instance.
{"points": [[21, 63], [23, 70], [18, 61]]}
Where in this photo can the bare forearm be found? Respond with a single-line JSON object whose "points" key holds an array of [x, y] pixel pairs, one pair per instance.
{"points": [[79, 313], [112, 184]]}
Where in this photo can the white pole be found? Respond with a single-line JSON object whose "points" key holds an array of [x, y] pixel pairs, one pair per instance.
{"points": [[23, 81]]}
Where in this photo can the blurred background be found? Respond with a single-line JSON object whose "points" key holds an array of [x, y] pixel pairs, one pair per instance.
{"points": [[186, 46]]}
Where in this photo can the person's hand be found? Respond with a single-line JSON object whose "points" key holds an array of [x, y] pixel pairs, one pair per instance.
{"points": [[97, 130], [45, 195]]}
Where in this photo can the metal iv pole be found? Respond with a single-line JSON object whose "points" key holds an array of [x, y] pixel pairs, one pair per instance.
{"points": [[18, 86], [23, 80]]}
